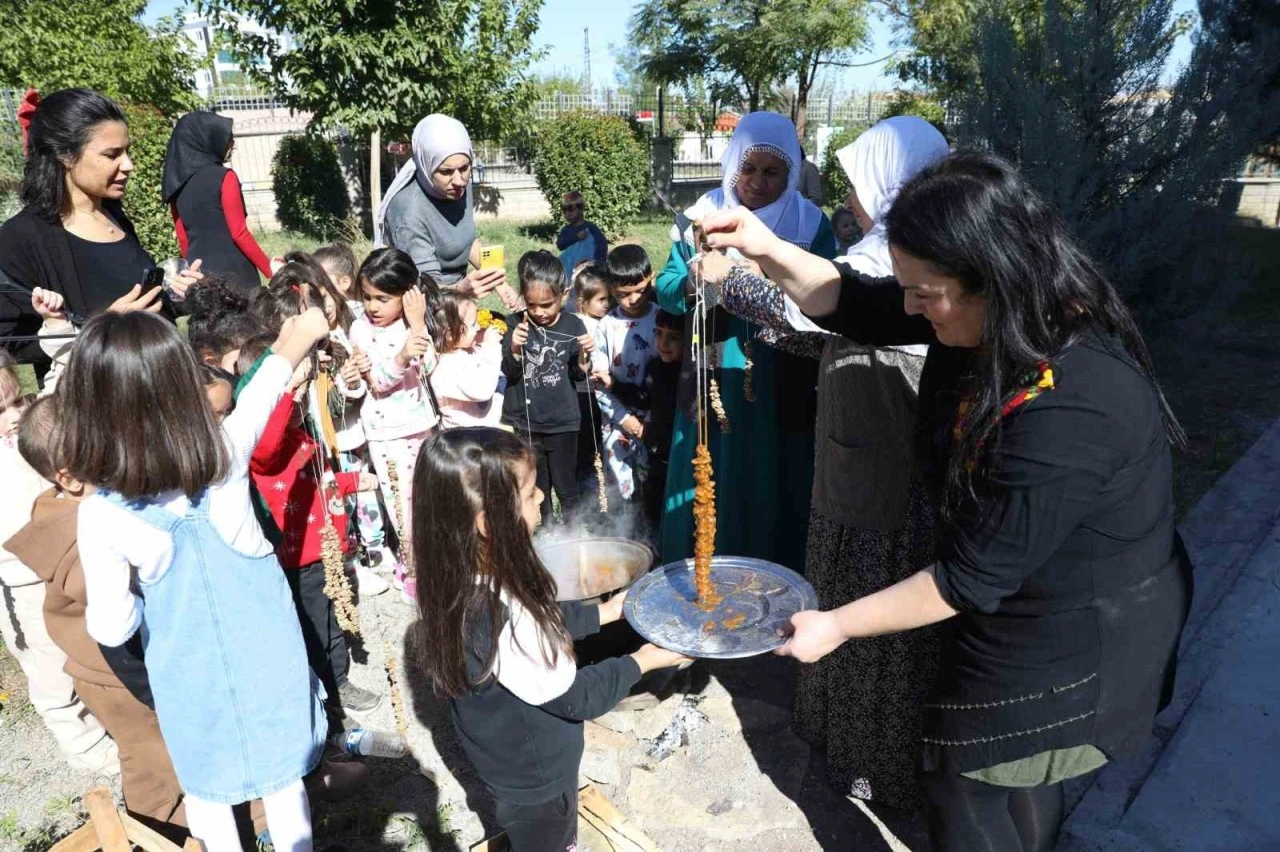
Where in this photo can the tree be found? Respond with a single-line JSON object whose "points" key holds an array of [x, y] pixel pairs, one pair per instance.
{"points": [[824, 34], [1074, 96], [744, 48], [369, 65], [56, 44]]}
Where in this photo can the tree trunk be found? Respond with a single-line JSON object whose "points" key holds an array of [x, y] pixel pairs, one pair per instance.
{"points": [[375, 177], [804, 85]]}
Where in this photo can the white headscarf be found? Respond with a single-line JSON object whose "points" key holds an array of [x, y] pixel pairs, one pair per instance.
{"points": [[436, 138], [792, 217], [878, 163]]}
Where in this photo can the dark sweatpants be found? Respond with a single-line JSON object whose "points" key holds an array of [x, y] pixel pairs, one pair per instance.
{"points": [[326, 644], [550, 826], [557, 460]]}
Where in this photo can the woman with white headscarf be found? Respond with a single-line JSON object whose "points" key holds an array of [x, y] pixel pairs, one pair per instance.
{"points": [[426, 212], [764, 462], [871, 523]]}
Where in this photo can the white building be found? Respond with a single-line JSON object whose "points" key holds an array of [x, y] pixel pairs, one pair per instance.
{"points": [[204, 42]]}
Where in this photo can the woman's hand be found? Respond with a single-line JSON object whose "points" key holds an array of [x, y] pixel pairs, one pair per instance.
{"points": [[510, 298], [48, 304], [811, 281], [480, 281], [136, 300], [740, 229], [183, 280], [814, 634], [611, 610], [415, 310]]}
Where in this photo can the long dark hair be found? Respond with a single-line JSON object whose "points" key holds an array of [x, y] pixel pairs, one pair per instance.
{"points": [[389, 270], [974, 218], [459, 473], [161, 435], [59, 130]]}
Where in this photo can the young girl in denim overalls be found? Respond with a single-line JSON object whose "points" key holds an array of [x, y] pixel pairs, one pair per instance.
{"points": [[171, 548]]}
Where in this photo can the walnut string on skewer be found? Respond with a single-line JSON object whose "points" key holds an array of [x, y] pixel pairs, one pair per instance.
{"points": [[388, 654], [748, 379], [337, 585], [704, 498]]}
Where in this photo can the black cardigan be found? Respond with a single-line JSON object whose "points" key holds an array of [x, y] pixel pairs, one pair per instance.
{"points": [[1071, 591], [36, 252]]}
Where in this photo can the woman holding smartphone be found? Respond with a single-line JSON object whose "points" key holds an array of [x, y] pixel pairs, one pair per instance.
{"points": [[71, 235]]}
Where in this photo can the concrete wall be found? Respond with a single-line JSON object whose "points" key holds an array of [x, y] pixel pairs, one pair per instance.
{"points": [[1260, 199]]}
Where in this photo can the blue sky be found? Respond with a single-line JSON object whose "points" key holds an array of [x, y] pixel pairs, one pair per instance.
{"points": [[563, 21]]}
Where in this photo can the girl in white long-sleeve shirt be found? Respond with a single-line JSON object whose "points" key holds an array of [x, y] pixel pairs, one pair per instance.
{"points": [[171, 546], [468, 378]]}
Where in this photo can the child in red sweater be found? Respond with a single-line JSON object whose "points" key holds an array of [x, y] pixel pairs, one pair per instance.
{"points": [[290, 472]]}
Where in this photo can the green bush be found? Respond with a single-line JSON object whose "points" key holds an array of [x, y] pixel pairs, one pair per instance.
{"points": [[311, 194], [149, 133], [835, 184], [600, 157], [906, 102]]}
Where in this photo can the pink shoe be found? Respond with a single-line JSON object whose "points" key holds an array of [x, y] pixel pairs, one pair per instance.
{"points": [[410, 590]]}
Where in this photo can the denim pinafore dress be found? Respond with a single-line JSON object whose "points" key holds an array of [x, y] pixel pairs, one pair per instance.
{"points": [[240, 710]]}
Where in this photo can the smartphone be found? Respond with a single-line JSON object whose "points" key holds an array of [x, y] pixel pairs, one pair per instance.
{"points": [[154, 277], [491, 257]]}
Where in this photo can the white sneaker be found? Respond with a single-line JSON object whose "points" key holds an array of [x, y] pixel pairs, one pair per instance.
{"points": [[368, 583], [383, 559]]}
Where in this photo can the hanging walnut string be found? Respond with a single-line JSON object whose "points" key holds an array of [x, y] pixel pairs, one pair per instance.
{"points": [[337, 585], [393, 482], [748, 379]]}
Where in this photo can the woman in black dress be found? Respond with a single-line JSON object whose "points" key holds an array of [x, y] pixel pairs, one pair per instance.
{"points": [[71, 235], [206, 201], [1060, 582]]}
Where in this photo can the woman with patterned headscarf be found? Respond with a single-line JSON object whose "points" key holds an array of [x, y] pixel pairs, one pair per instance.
{"points": [[763, 462]]}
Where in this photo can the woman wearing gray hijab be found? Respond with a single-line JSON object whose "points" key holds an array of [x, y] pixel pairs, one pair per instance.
{"points": [[427, 212]]}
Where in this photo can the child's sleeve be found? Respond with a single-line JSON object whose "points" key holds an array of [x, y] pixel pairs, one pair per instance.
{"points": [[114, 612], [348, 483], [271, 445], [244, 426], [561, 689], [611, 408], [602, 244], [567, 237], [457, 379], [58, 349], [582, 620]]}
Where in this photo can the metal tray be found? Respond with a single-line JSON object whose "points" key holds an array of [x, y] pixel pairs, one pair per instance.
{"points": [[586, 568], [758, 600]]}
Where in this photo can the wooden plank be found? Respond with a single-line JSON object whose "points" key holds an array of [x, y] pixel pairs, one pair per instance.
{"points": [[493, 844], [145, 837], [604, 817], [83, 839], [105, 820]]}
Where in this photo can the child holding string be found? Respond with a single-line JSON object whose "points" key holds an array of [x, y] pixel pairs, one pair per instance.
{"points": [[544, 355], [398, 412]]}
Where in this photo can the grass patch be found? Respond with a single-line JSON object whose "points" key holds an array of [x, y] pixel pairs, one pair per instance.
{"points": [[1261, 247]]}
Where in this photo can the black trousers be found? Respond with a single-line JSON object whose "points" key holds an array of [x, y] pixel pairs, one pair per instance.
{"points": [[326, 644], [966, 815], [550, 826], [589, 437], [557, 461]]}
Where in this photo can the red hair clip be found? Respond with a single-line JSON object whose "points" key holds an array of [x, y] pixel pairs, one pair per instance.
{"points": [[26, 109]]}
